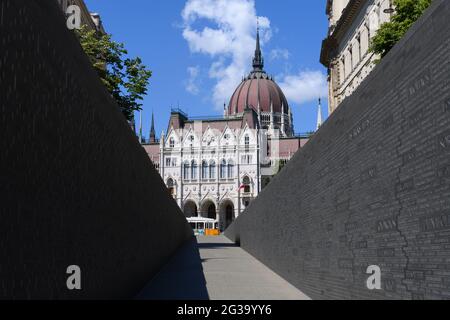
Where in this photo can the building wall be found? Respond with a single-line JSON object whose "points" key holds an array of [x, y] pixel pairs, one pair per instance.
{"points": [[371, 187], [352, 61], [337, 6], [211, 146], [76, 188]]}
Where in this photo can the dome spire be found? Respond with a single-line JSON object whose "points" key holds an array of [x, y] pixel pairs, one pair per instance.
{"points": [[258, 61]]}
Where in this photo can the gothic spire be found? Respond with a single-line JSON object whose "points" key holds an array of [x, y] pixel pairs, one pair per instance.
{"points": [[258, 61], [319, 115], [152, 130]]}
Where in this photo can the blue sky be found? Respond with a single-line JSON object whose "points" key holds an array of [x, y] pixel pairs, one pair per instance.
{"points": [[198, 51]]}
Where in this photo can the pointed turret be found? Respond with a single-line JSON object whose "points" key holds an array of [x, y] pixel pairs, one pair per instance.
{"points": [[152, 131], [319, 115]]}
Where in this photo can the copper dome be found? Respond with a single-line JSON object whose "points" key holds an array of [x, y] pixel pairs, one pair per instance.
{"points": [[258, 90]]}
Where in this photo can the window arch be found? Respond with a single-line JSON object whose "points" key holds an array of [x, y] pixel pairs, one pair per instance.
{"points": [[223, 169], [212, 169], [171, 187], [247, 142], [194, 170], [246, 184], [204, 170], [186, 169], [230, 169], [171, 142]]}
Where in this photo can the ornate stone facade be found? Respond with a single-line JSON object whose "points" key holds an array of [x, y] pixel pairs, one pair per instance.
{"points": [[214, 167], [345, 52]]}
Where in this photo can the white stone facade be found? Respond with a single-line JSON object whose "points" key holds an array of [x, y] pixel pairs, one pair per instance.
{"points": [[351, 32], [212, 173], [214, 168]]}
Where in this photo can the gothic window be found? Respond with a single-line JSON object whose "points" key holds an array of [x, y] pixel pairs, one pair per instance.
{"points": [[223, 169], [172, 142], [350, 57], [190, 140], [230, 169], [342, 71], [186, 169], [212, 169], [194, 168], [246, 184], [171, 187], [247, 142], [358, 41], [204, 170]]}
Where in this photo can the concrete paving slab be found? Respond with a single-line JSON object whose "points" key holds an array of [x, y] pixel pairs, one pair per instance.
{"points": [[217, 269]]}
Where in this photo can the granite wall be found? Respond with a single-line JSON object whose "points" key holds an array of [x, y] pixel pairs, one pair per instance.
{"points": [[76, 188], [372, 187]]}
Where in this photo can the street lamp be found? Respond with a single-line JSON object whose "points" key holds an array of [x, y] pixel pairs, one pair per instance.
{"points": [[389, 10]]}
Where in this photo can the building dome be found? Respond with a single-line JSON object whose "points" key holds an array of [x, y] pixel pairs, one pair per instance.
{"points": [[258, 90]]}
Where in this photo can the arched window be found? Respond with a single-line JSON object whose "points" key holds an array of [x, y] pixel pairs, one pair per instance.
{"points": [[223, 169], [194, 168], [230, 169], [247, 142], [246, 184], [204, 170], [172, 142], [212, 169], [186, 169], [171, 187]]}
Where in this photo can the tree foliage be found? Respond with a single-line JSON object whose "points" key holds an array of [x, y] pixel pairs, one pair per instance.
{"points": [[389, 33], [125, 78]]}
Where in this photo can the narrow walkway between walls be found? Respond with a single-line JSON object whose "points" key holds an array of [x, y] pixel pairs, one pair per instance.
{"points": [[217, 269]]}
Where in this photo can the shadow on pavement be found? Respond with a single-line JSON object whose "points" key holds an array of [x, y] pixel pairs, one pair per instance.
{"points": [[181, 279], [216, 245]]}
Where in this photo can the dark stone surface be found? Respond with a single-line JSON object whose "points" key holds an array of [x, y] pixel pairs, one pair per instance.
{"points": [[76, 187], [372, 186]]}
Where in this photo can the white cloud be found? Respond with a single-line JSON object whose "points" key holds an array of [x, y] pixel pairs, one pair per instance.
{"points": [[305, 86], [279, 54], [191, 84], [229, 40]]}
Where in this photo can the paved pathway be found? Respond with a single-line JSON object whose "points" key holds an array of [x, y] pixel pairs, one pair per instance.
{"points": [[215, 268]]}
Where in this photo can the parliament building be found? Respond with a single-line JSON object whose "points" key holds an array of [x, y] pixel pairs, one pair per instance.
{"points": [[214, 166]]}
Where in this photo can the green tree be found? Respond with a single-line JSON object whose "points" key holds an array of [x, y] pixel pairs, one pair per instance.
{"points": [[125, 78], [406, 13]]}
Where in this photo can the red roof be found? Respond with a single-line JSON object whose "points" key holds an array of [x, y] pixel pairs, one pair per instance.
{"points": [[258, 88]]}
